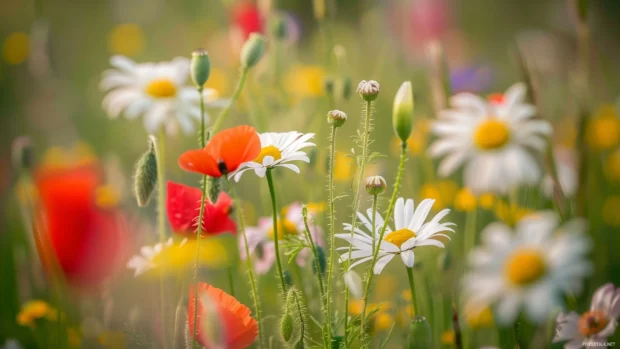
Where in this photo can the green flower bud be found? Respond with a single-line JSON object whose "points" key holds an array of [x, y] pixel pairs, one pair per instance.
{"points": [[252, 50], [402, 112], [375, 185], [286, 327], [420, 336], [368, 90], [22, 153], [320, 255], [200, 67], [279, 27], [336, 117], [145, 176]]}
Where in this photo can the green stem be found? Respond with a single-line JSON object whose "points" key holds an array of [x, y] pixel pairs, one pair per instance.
{"points": [[316, 260], [231, 283], [220, 119], [470, 230], [332, 240], [356, 199], [197, 257], [388, 214], [276, 244], [249, 263], [161, 224], [373, 219], [414, 302], [201, 138]]}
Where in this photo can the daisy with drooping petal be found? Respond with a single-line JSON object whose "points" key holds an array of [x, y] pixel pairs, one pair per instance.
{"points": [[277, 150], [224, 153], [498, 140], [529, 268], [261, 238], [593, 326], [412, 230], [237, 327], [183, 205], [157, 91]]}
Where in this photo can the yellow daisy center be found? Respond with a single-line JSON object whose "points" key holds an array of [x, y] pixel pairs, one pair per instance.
{"points": [[161, 88], [398, 237], [524, 267], [592, 322], [268, 151], [491, 134], [285, 227]]}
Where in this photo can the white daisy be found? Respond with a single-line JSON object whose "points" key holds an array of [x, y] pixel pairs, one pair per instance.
{"points": [[566, 167], [278, 149], [593, 326], [145, 261], [158, 91], [531, 267], [497, 139], [412, 231]]}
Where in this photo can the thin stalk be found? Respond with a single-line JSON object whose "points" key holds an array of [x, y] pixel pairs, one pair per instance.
{"points": [[231, 282], [414, 301], [161, 223], [332, 240], [197, 257], [388, 214], [356, 200], [316, 260], [249, 263], [201, 137], [470, 230], [274, 214], [373, 219], [220, 119], [297, 271]]}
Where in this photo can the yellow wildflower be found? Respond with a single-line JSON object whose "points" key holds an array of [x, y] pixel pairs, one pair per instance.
{"points": [[442, 191], [382, 321], [107, 196], [465, 200], [478, 318], [343, 166], [388, 283], [16, 48], [305, 81], [218, 80], [603, 130], [509, 214], [486, 201], [126, 39], [448, 337], [34, 310]]}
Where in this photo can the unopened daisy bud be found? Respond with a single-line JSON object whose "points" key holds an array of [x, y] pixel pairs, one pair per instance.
{"points": [[402, 112], [200, 67], [320, 258], [419, 333], [336, 117], [213, 188], [444, 261], [368, 90], [252, 50], [145, 176], [288, 280], [286, 327], [278, 27], [22, 153], [375, 185]]}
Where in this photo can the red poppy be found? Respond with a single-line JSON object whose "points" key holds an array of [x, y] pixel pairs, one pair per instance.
{"points": [[238, 328], [87, 241], [224, 153], [247, 18], [183, 206], [496, 98]]}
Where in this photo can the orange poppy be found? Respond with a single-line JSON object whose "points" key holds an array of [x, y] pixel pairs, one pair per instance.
{"points": [[224, 153], [238, 328]]}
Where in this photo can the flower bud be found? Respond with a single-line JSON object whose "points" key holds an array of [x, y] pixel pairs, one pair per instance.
{"points": [[22, 153], [336, 118], [402, 112], [145, 177], [288, 280], [279, 27], [286, 327], [368, 90], [419, 334], [252, 50], [320, 256], [200, 67], [375, 185]]}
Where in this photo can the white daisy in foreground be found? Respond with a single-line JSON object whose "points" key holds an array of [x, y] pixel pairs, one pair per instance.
{"points": [[157, 91], [531, 267], [412, 231], [146, 260], [498, 140], [278, 149], [593, 326]]}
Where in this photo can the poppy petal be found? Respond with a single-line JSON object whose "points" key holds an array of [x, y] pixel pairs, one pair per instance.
{"points": [[235, 146], [182, 204], [199, 161]]}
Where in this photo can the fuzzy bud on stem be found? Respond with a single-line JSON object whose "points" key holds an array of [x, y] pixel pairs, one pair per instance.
{"points": [[368, 90], [213, 188], [286, 327], [419, 334], [252, 50], [336, 118], [402, 112], [145, 177], [200, 67], [320, 256], [375, 185]]}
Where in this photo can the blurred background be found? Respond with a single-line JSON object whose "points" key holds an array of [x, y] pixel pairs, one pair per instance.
{"points": [[53, 54]]}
